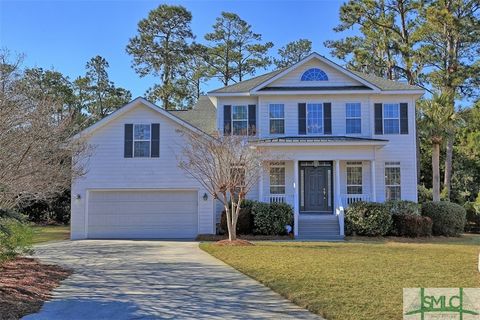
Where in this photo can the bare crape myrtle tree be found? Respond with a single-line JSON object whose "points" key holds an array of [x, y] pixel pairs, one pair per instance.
{"points": [[35, 148], [226, 166]]}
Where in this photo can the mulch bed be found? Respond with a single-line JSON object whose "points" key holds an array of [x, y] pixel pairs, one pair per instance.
{"points": [[249, 237], [237, 242], [25, 284]]}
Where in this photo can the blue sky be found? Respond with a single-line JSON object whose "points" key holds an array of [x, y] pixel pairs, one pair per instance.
{"points": [[64, 35]]}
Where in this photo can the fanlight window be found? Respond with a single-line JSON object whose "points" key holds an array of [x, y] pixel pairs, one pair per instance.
{"points": [[314, 74]]}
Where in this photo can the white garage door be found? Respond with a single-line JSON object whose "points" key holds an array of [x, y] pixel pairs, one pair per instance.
{"points": [[142, 214]]}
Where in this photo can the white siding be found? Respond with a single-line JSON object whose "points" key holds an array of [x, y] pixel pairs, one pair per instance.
{"points": [[335, 77], [291, 112], [401, 148], [108, 169]]}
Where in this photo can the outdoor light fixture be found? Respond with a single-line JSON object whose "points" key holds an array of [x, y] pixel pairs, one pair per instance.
{"points": [[205, 196], [78, 196]]}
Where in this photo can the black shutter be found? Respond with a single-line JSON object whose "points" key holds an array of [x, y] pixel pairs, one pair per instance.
{"points": [[252, 119], [302, 118], [227, 120], [378, 118], [155, 142], [327, 118], [128, 141], [404, 118]]}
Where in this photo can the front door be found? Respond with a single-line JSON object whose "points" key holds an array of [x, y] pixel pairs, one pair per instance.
{"points": [[316, 188]]}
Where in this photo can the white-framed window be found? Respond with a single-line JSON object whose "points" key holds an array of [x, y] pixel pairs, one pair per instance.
{"points": [[277, 178], [391, 118], [142, 135], [354, 177], [392, 181], [315, 118], [353, 118], [240, 120], [277, 118]]}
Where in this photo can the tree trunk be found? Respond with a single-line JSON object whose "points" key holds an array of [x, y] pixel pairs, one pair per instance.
{"points": [[448, 166], [436, 171]]}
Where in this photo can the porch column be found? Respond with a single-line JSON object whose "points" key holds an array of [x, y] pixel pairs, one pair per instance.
{"points": [[296, 190], [373, 178], [338, 201], [260, 186]]}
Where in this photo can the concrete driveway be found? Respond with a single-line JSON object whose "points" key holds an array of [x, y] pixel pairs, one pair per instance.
{"points": [[154, 280]]}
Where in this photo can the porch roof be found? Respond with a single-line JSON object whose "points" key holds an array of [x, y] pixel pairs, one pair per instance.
{"points": [[320, 140]]}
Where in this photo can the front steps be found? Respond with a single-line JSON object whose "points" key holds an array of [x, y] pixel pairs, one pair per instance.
{"points": [[319, 227]]}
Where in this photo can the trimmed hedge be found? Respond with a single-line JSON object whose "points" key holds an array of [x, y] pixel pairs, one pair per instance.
{"points": [[412, 225], [448, 218], [402, 207], [245, 219], [367, 219], [271, 218]]}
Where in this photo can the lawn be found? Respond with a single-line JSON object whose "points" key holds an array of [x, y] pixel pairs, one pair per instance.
{"points": [[50, 233], [358, 278]]}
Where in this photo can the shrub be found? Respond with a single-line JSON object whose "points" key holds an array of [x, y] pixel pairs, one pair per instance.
{"points": [[402, 207], [424, 194], [367, 219], [15, 238], [473, 216], [412, 225], [448, 218], [245, 219], [54, 210], [12, 214], [271, 218]]}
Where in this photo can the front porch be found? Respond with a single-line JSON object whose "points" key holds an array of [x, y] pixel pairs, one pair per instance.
{"points": [[319, 191]]}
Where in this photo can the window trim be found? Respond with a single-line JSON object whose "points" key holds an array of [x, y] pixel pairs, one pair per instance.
{"points": [[393, 164], [270, 118], [142, 140], [322, 121], [353, 118], [384, 118], [354, 164], [239, 120], [282, 166]]}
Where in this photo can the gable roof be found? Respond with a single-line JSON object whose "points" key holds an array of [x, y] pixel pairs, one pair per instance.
{"points": [[131, 105], [247, 85], [201, 116], [258, 83], [385, 84]]}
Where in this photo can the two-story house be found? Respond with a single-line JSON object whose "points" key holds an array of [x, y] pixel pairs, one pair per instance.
{"points": [[335, 136]]}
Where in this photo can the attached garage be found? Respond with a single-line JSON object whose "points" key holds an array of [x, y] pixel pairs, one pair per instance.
{"points": [[147, 214]]}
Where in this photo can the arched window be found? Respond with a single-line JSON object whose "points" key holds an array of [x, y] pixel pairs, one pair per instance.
{"points": [[314, 74]]}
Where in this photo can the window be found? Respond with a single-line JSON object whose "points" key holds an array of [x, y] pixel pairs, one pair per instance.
{"points": [[314, 74], [141, 140], [277, 178], [240, 120], [315, 118], [277, 119], [391, 118], [353, 116], [354, 177], [392, 181]]}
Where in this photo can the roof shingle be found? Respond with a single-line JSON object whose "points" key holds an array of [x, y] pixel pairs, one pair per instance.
{"points": [[201, 116]]}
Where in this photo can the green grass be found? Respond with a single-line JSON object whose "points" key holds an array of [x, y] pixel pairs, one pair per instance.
{"points": [[50, 233], [359, 278]]}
